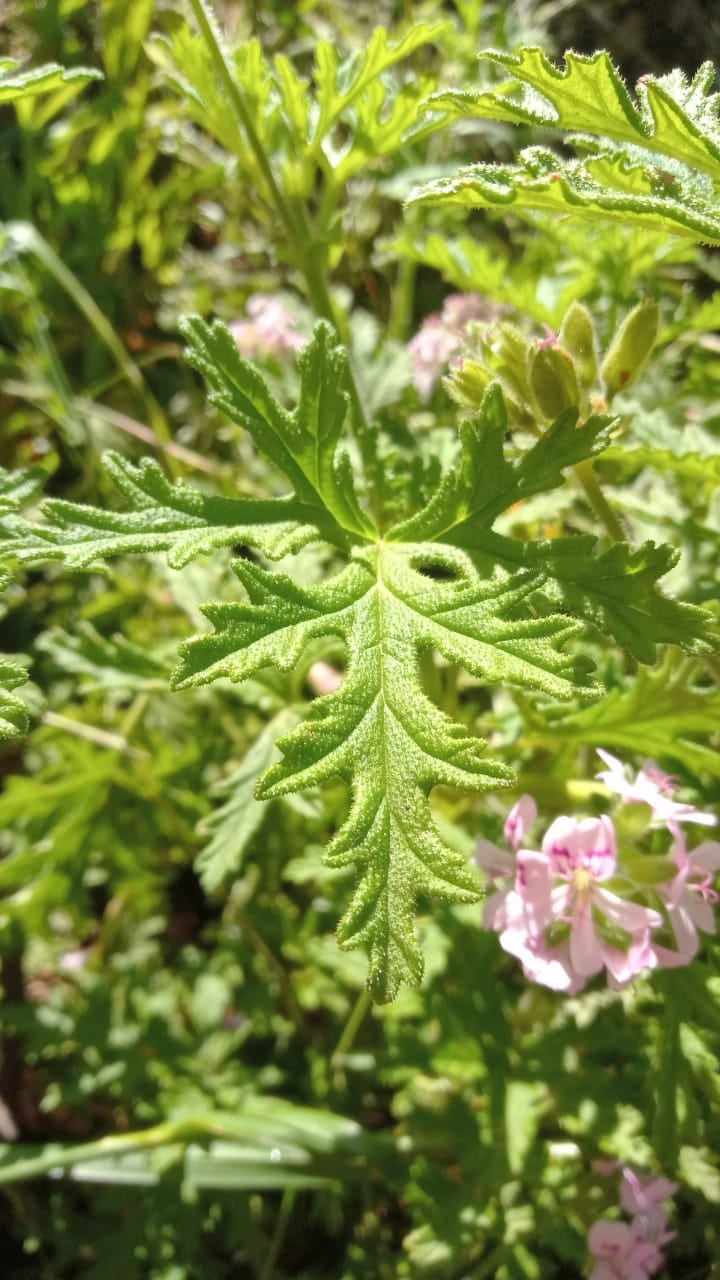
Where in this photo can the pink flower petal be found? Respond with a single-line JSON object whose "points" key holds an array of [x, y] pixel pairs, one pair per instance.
{"points": [[585, 950], [707, 856], [626, 915], [498, 863], [519, 820]]}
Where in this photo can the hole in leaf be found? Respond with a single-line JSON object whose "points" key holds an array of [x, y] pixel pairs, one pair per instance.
{"points": [[437, 570]]}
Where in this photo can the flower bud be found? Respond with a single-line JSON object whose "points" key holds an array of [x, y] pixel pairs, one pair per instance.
{"points": [[467, 383], [630, 348], [577, 336], [553, 380]]}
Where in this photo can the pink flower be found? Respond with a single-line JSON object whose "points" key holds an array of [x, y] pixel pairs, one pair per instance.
{"points": [[690, 899], [430, 350], [440, 337], [652, 787], [520, 819], [621, 1253], [564, 884], [643, 1199], [270, 329], [498, 864]]}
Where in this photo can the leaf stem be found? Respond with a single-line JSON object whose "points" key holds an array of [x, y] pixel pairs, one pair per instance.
{"points": [[587, 478], [283, 1221], [357, 1016], [293, 216]]}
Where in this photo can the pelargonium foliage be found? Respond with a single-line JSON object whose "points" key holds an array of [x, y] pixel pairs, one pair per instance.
{"points": [[439, 580]]}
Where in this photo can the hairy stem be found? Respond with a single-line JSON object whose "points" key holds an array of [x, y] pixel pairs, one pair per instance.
{"points": [[587, 478], [293, 217]]}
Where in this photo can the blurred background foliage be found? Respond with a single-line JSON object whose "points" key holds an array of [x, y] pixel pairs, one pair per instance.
{"points": [[170, 981]]}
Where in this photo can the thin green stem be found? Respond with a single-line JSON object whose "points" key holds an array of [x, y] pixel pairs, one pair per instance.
{"points": [[358, 1013], [588, 481], [210, 31], [301, 238], [287, 1205], [27, 237]]}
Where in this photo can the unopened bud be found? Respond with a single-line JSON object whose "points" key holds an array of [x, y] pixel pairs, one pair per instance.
{"points": [[631, 346], [553, 380], [467, 383], [577, 336]]}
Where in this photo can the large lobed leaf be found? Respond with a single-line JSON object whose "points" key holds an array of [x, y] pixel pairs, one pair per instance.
{"points": [[614, 187], [670, 115], [656, 161], [380, 732], [440, 581]]}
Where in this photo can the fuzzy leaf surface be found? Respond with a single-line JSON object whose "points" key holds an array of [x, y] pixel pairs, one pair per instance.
{"points": [[14, 719], [614, 589], [175, 518], [17, 488], [614, 187], [482, 484], [380, 732], [16, 85], [304, 443], [670, 114]]}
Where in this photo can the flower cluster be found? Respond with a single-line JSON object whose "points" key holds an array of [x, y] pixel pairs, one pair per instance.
{"points": [[269, 328], [441, 336], [576, 906], [633, 1250]]}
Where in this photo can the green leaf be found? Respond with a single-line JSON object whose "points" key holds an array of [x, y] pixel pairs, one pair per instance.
{"points": [[295, 119], [102, 662], [232, 826], [482, 483], [17, 488], [14, 718], [653, 716], [339, 85], [703, 469], [614, 187], [304, 443], [162, 517], [380, 732], [17, 85], [670, 115], [617, 592]]}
